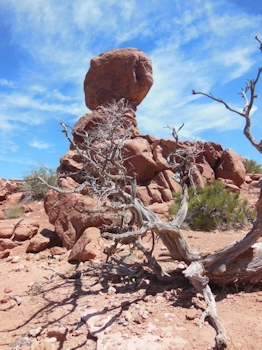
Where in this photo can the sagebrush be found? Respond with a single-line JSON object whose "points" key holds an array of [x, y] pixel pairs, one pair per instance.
{"points": [[253, 167], [215, 207], [14, 211], [35, 189]]}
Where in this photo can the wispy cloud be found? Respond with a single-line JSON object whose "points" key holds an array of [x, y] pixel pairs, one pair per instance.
{"points": [[6, 83], [39, 144]]}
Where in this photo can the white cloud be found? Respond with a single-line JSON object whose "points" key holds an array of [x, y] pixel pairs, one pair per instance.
{"points": [[7, 83], [39, 144]]}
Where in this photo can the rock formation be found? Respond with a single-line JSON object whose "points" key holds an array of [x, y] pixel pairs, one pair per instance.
{"points": [[117, 74], [126, 76]]}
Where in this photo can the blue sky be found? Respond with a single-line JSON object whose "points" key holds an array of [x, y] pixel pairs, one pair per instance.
{"points": [[45, 52]]}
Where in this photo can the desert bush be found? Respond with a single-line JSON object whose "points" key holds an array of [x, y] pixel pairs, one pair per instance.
{"points": [[14, 211], [34, 189], [253, 167], [215, 207]]}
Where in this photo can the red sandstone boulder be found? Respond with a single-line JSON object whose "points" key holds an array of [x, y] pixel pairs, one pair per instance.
{"points": [[155, 191], [70, 162], [6, 229], [6, 243], [89, 123], [38, 243], [139, 159], [230, 166], [26, 230], [143, 195], [161, 162], [8, 187], [69, 214], [21, 231], [88, 246], [212, 152], [173, 184], [206, 171], [117, 74]]}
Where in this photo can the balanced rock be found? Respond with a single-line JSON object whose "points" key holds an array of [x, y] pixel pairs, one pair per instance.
{"points": [[116, 74]]}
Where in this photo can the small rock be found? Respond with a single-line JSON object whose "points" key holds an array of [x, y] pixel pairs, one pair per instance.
{"points": [[57, 332], [4, 254], [111, 290], [15, 259], [42, 345], [58, 250], [77, 332], [20, 267], [259, 299], [5, 299], [191, 314], [159, 299], [99, 323], [143, 314], [128, 316], [149, 299], [8, 290], [34, 332]]}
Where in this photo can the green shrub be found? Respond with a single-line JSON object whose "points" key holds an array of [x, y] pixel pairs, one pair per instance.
{"points": [[34, 189], [14, 211], [253, 167], [215, 207]]}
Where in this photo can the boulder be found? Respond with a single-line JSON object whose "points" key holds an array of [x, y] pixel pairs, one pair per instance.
{"points": [[206, 171], [116, 74], [6, 243], [230, 166], [173, 184], [161, 162], [70, 215], [212, 152], [154, 191], [22, 229], [143, 195], [8, 187], [70, 162], [166, 195], [89, 123], [26, 230], [88, 246], [38, 243], [4, 254], [6, 229], [138, 159]]}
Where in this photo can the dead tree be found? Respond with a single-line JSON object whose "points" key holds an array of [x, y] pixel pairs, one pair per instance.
{"points": [[249, 95], [105, 174]]}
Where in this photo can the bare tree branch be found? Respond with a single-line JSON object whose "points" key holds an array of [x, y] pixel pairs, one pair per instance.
{"points": [[249, 102]]}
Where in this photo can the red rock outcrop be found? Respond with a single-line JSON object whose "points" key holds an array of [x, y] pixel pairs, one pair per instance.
{"points": [[138, 159], [88, 247], [230, 166], [69, 214], [125, 76], [116, 74]]}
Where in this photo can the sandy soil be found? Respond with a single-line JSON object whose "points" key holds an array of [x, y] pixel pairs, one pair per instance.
{"points": [[41, 310]]}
